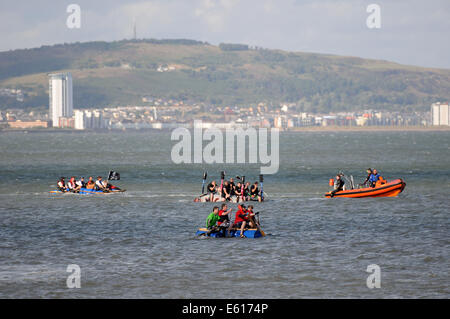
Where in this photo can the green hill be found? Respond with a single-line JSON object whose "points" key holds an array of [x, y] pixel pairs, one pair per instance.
{"points": [[123, 72]]}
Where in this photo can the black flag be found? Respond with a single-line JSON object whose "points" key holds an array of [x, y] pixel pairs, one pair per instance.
{"points": [[113, 176]]}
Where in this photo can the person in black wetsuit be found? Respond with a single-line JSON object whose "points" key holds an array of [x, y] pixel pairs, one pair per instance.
{"points": [[254, 192], [211, 188], [233, 187], [237, 191], [369, 172], [338, 185], [246, 191], [226, 191]]}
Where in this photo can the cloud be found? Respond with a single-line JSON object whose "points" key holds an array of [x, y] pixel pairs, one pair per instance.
{"points": [[412, 32]]}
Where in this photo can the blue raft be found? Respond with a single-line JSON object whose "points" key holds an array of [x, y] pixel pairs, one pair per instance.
{"points": [[248, 233], [85, 191]]}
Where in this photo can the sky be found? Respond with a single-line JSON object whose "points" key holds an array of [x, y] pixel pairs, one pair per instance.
{"points": [[413, 32]]}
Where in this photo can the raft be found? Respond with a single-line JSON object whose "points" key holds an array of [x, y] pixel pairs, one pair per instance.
{"points": [[248, 233], [85, 191], [390, 189]]}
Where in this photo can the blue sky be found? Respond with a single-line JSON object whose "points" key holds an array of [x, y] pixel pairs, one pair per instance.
{"points": [[414, 32]]}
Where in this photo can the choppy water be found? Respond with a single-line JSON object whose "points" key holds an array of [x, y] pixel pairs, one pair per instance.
{"points": [[141, 244]]}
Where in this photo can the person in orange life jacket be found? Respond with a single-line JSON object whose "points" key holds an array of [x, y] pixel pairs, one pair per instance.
{"points": [[374, 178], [90, 184], [61, 185]]}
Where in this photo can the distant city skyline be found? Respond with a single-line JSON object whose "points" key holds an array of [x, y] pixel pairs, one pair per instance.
{"points": [[412, 32]]}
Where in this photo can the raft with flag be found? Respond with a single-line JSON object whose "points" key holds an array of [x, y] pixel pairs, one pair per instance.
{"points": [[112, 175], [85, 191]]}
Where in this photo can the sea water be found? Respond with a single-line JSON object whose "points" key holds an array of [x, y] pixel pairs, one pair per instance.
{"points": [[142, 243]]}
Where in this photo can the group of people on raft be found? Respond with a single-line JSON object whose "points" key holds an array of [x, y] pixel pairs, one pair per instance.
{"points": [[231, 192], [219, 220], [373, 179], [75, 186]]}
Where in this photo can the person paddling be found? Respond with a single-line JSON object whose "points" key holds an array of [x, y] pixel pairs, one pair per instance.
{"points": [[251, 217], [99, 184], [241, 219], [61, 185], [246, 194], [226, 191], [90, 183], [73, 187], [254, 192], [224, 221], [81, 183], [211, 189], [212, 219]]}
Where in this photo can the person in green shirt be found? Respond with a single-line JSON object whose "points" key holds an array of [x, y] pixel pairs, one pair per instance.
{"points": [[212, 219]]}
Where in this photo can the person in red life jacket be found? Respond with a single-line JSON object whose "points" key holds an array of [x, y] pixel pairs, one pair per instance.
{"points": [[61, 185], [72, 185], [241, 219], [251, 216]]}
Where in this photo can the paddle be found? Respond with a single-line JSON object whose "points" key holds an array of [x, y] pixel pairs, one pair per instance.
{"points": [[242, 187], [261, 180], [258, 224], [205, 174], [222, 177]]}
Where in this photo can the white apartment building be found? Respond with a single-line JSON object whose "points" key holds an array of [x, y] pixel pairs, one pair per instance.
{"points": [[440, 114], [60, 97]]}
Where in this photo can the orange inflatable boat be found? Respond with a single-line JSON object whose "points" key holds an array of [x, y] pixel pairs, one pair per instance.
{"points": [[390, 189]]}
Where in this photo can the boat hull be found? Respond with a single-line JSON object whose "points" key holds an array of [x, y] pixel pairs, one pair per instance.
{"points": [[248, 233], [390, 189]]}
